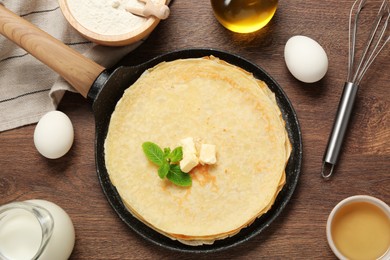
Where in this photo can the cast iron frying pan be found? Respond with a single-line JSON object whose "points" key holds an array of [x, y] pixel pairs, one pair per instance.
{"points": [[105, 87]]}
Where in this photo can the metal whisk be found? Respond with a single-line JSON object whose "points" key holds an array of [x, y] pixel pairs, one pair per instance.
{"points": [[377, 39]]}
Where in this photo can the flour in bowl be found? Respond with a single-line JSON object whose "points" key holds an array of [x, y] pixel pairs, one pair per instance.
{"points": [[107, 17]]}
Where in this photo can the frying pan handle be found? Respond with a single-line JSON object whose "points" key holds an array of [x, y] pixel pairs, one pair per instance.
{"points": [[77, 70]]}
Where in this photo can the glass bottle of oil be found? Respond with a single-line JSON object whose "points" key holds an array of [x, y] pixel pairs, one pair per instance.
{"points": [[244, 16]]}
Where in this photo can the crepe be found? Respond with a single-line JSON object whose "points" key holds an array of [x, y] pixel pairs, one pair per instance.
{"points": [[214, 102]]}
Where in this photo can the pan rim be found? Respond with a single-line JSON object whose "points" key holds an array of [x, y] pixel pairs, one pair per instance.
{"points": [[293, 168]]}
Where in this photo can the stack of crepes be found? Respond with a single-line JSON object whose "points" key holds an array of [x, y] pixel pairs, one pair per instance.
{"points": [[213, 102]]}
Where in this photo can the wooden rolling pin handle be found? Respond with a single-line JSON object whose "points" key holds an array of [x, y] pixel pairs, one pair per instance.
{"points": [[77, 70]]}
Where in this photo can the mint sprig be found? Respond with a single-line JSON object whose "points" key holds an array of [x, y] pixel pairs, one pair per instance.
{"points": [[167, 161]]}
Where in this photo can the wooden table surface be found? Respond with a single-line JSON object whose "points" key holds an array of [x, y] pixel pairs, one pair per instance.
{"points": [[299, 232]]}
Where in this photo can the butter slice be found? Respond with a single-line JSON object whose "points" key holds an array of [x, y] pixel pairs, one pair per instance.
{"points": [[188, 146], [207, 154], [189, 162]]}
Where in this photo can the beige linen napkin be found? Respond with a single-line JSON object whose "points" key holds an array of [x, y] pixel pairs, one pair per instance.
{"points": [[28, 88]]}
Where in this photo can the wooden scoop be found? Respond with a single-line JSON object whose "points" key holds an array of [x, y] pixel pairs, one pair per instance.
{"points": [[160, 11]]}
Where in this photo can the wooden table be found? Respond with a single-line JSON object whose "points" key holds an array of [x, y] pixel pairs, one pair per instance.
{"points": [[299, 232]]}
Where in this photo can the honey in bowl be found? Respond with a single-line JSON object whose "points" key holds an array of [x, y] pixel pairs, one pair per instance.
{"points": [[244, 16], [361, 230]]}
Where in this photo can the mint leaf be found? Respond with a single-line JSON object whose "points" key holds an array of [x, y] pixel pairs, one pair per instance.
{"points": [[176, 155], [167, 151], [176, 176], [154, 153], [163, 170]]}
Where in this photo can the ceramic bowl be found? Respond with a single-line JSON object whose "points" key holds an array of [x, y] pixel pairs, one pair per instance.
{"points": [[358, 198]]}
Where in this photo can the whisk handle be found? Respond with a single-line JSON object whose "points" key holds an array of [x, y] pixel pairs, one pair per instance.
{"points": [[339, 128]]}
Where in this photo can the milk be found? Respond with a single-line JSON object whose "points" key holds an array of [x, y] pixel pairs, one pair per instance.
{"points": [[22, 236]]}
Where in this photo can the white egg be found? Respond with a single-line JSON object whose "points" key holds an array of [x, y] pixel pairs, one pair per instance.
{"points": [[305, 59], [53, 135]]}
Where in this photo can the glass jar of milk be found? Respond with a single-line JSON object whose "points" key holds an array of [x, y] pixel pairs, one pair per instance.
{"points": [[35, 229]]}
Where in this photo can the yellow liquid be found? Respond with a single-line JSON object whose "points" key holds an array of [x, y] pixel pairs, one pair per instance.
{"points": [[244, 16], [361, 230]]}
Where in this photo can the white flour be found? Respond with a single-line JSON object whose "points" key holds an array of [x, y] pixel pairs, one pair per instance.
{"points": [[107, 17]]}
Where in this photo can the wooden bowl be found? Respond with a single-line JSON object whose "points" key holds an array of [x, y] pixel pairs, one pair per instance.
{"points": [[111, 40]]}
